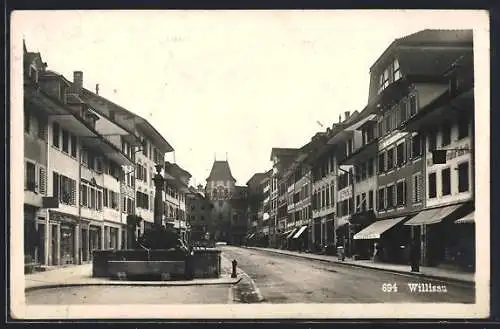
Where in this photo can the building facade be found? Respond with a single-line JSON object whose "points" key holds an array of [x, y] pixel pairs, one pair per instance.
{"points": [[282, 158], [77, 178], [445, 230], [89, 164]]}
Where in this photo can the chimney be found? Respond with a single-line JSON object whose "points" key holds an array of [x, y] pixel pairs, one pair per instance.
{"points": [[97, 89], [77, 81], [347, 114]]}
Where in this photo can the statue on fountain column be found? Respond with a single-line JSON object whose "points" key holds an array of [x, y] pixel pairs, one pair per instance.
{"points": [[160, 236]]}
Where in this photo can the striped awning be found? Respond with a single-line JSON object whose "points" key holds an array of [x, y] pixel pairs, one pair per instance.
{"points": [[299, 232], [375, 230], [467, 219], [291, 233], [432, 216]]}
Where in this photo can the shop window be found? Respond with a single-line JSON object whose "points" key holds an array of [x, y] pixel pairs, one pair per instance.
{"points": [[432, 185], [446, 134], [445, 182], [55, 134], [463, 177]]}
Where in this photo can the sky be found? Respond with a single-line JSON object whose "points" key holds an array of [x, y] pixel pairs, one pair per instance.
{"points": [[227, 82]]}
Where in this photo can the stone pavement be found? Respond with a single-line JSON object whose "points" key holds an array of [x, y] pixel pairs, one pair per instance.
{"points": [[426, 272], [81, 275]]}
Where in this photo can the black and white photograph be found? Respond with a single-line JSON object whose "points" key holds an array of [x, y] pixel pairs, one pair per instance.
{"points": [[249, 164]]}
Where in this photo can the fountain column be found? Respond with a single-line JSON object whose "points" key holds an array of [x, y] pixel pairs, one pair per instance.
{"points": [[158, 204]]}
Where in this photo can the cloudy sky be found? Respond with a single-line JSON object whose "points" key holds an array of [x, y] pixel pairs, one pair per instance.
{"points": [[219, 81]]}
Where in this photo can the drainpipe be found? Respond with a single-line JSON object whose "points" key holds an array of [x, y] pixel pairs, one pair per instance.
{"points": [[77, 226], [48, 238]]}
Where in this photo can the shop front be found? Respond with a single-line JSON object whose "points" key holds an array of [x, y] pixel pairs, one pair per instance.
{"points": [[30, 234], [384, 240], [446, 236], [300, 239], [67, 247], [95, 236], [317, 242]]}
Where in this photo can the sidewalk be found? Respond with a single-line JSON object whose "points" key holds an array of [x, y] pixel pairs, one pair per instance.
{"points": [[425, 272], [81, 275]]}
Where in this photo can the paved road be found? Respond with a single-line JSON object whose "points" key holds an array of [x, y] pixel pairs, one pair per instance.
{"points": [[288, 279], [105, 295]]}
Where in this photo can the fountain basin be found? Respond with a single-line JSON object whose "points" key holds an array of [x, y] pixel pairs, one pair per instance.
{"points": [[202, 263]]}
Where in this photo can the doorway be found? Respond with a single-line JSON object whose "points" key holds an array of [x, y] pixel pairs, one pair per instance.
{"points": [[53, 245], [40, 254]]}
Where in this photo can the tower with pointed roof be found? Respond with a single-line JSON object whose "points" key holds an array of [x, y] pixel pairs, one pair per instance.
{"points": [[219, 190]]}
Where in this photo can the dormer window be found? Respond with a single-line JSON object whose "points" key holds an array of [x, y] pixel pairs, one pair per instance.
{"points": [[89, 117]]}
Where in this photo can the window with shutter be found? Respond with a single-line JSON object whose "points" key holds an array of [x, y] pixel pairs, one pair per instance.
{"points": [[42, 181], [73, 192], [55, 185], [417, 188]]}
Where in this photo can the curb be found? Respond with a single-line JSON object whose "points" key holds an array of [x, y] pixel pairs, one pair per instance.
{"points": [[240, 275], [133, 284], [402, 273]]}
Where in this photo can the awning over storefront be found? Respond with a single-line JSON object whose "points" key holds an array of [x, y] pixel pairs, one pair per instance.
{"points": [[467, 219], [291, 233], [376, 229], [299, 232], [432, 216]]}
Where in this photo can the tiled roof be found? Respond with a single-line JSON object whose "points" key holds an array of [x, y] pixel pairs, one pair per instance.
{"points": [[430, 36], [283, 152], [428, 62], [256, 178], [174, 168], [220, 171]]}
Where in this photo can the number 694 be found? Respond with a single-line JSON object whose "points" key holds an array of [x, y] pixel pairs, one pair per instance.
{"points": [[389, 287]]}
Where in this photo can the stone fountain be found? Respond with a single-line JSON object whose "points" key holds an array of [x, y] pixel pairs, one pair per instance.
{"points": [[159, 254]]}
